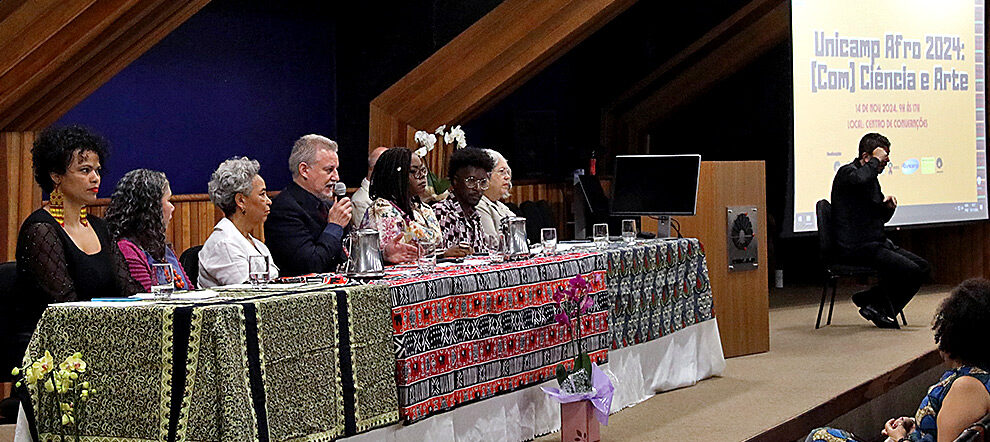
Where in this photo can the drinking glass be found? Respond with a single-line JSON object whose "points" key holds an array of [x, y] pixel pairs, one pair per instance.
{"points": [[601, 235], [548, 237], [628, 230], [496, 253], [258, 270], [164, 282], [426, 260]]}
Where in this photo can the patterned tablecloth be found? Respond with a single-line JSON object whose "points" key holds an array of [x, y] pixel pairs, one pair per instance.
{"points": [[466, 333], [277, 364], [318, 362], [656, 288]]}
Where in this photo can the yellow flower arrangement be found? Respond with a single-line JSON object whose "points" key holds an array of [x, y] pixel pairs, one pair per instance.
{"points": [[62, 392]]}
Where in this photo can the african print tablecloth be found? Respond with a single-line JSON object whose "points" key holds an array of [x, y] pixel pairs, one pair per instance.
{"points": [[276, 364], [655, 288], [466, 333]]}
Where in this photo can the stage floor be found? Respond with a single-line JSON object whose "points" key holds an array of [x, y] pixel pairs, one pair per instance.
{"points": [[804, 368]]}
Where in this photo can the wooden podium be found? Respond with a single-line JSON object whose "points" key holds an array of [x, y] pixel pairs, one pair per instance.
{"points": [[741, 297]]}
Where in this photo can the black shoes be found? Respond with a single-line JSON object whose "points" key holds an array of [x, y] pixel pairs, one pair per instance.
{"points": [[881, 320]]}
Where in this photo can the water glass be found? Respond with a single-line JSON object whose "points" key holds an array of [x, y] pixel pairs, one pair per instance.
{"points": [[601, 235], [628, 230], [258, 272], [164, 281], [496, 253], [548, 237], [426, 260]]}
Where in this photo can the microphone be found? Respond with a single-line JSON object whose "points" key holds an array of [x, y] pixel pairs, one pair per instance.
{"points": [[339, 189]]}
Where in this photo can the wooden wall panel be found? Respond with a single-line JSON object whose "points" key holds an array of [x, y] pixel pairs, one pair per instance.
{"points": [[21, 194], [741, 298]]}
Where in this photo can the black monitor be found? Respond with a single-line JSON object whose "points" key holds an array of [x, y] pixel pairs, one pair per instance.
{"points": [[655, 184]]}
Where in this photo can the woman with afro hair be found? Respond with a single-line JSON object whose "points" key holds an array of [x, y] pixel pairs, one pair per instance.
{"points": [[962, 396]]}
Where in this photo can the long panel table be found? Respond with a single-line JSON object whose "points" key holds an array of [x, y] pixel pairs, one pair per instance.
{"points": [[432, 356]]}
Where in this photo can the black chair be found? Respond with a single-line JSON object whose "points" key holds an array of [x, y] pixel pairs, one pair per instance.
{"points": [[976, 432], [538, 216], [833, 269], [9, 341], [190, 263]]}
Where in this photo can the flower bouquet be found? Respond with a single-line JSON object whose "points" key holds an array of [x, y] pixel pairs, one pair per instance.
{"points": [[437, 187], [62, 391], [585, 390]]}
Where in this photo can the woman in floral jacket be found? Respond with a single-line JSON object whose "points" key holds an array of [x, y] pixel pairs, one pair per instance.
{"points": [[397, 212]]}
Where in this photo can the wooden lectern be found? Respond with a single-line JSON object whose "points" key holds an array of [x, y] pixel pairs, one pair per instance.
{"points": [[741, 297]]}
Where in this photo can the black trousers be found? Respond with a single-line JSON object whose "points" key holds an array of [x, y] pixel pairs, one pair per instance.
{"points": [[901, 273]]}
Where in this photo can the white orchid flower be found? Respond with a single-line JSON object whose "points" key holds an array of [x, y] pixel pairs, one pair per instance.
{"points": [[440, 129], [448, 137], [432, 141], [421, 137], [421, 152]]}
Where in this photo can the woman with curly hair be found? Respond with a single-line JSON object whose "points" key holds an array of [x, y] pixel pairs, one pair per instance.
{"points": [[63, 253], [962, 396], [237, 189], [138, 215]]}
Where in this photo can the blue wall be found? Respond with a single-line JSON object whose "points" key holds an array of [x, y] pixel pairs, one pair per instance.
{"points": [[235, 79]]}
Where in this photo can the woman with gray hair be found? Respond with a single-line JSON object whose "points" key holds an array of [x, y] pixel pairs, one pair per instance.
{"points": [[490, 207], [237, 189]]}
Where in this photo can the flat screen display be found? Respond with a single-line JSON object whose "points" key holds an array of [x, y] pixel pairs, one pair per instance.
{"points": [[655, 184], [911, 70]]}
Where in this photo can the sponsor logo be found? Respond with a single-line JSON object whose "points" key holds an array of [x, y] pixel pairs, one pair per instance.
{"points": [[910, 166]]}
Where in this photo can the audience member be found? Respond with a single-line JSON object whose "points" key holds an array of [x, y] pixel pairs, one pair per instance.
{"points": [[962, 395], [362, 197], [306, 226], [469, 173], [859, 211], [138, 215], [237, 189], [402, 220], [491, 208], [63, 254]]}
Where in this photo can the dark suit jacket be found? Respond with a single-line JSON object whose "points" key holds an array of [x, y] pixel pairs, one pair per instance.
{"points": [[858, 211], [298, 235]]}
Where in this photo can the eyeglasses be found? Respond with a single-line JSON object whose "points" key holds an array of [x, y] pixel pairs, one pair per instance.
{"points": [[504, 171], [419, 173], [474, 183]]}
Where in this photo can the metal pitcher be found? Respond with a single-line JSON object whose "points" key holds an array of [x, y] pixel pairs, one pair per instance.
{"points": [[365, 255], [516, 244]]}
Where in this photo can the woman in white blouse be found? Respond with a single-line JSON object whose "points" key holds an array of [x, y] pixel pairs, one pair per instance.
{"points": [[238, 190], [490, 207]]}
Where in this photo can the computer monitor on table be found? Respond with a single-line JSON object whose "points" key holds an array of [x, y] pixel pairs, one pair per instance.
{"points": [[656, 185]]}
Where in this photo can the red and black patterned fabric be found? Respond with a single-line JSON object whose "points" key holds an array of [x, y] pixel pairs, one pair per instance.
{"points": [[466, 333]]}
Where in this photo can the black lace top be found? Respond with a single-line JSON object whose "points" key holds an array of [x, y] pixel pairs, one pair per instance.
{"points": [[52, 269]]}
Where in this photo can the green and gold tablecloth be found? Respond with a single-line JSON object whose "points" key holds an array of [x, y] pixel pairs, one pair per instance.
{"points": [[312, 363]]}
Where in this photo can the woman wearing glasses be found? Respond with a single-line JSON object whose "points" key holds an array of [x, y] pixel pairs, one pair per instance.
{"points": [[402, 220], [460, 221], [491, 207]]}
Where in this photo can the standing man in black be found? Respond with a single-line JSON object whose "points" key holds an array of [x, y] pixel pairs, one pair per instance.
{"points": [[305, 228], [859, 211]]}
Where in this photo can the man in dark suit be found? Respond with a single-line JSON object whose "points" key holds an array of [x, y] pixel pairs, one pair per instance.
{"points": [[859, 211], [305, 228]]}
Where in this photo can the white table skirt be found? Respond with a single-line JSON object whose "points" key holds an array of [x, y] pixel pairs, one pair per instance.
{"points": [[638, 372]]}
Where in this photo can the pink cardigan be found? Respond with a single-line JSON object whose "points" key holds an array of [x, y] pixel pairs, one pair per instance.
{"points": [[137, 263]]}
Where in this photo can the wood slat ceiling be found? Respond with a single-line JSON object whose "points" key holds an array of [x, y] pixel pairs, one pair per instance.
{"points": [[486, 62], [54, 53]]}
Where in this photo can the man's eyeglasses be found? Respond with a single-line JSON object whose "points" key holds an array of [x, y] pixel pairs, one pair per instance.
{"points": [[419, 173], [504, 171], [474, 183]]}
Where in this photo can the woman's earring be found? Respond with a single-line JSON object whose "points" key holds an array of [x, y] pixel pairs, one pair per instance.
{"points": [[56, 205]]}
